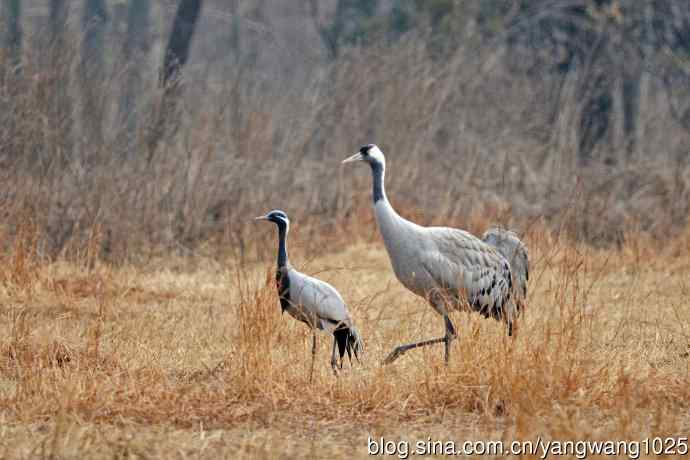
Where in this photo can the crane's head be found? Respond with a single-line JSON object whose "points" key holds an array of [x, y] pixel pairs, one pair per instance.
{"points": [[369, 153], [278, 217]]}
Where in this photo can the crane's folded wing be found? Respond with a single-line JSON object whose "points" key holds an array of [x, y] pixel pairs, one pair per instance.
{"points": [[469, 269], [320, 299]]}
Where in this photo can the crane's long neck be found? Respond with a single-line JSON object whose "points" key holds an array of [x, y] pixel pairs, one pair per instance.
{"points": [[378, 172], [282, 246], [390, 223]]}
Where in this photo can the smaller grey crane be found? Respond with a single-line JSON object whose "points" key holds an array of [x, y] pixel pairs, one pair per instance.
{"points": [[313, 302]]}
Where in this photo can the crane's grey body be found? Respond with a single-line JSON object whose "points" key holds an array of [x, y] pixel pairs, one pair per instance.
{"points": [[446, 266], [450, 268], [312, 301]]}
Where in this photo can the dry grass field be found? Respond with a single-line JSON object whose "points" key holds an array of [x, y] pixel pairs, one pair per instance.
{"points": [[191, 358]]}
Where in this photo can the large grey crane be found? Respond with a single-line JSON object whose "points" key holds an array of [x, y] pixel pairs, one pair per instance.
{"points": [[450, 268], [313, 302]]}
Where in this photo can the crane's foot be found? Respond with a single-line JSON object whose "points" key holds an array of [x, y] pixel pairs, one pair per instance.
{"points": [[397, 353], [402, 349]]}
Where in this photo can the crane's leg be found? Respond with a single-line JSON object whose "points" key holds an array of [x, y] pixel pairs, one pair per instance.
{"points": [[447, 339], [513, 327], [334, 358], [450, 336], [313, 354]]}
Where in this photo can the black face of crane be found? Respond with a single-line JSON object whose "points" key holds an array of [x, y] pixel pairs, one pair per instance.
{"points": [[364, 150], [368, 153], [278, 217]]}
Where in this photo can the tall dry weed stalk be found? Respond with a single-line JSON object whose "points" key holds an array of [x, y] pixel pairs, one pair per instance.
{"points": [[258, 339], [21, 268]]}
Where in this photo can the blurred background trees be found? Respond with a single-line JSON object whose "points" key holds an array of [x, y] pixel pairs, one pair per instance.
{"points": [[607, 45], [157, 120]]}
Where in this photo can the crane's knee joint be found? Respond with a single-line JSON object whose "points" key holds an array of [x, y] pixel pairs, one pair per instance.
{"points": [[395, 354], [450, 329]]}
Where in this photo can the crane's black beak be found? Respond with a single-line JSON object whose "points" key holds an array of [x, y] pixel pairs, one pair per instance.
{"points": [[356, 157]]}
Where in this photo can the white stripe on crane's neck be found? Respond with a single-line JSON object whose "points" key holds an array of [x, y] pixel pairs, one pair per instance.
{"points": [[390, 223]]}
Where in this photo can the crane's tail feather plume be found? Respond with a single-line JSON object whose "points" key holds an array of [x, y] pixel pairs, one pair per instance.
{"points": [[509, 246], [349, 340]]}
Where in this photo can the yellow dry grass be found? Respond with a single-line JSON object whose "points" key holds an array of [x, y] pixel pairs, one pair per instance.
{"points": [[163, 362]]}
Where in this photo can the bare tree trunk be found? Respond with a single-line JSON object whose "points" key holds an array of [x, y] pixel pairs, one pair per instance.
{"points": [[631, 110], [235, 30], [135, 52], [12, 11], [176, 55], [94, 21], [10, 67], [59, 13], [179, 43], [58, 70]]}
